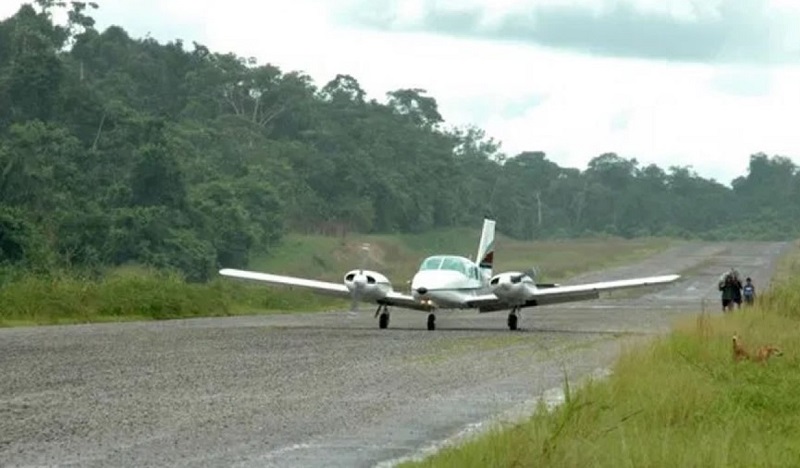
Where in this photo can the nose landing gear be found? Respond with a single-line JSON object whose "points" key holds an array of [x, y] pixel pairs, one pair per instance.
{"points": [[513, 318], [383, 318]]}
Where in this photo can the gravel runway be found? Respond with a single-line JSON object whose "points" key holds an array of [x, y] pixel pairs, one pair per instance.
{"points": [[322, 389]]}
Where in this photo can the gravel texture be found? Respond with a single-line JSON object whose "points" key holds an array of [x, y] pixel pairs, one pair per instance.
{"points": [[321, 389]]}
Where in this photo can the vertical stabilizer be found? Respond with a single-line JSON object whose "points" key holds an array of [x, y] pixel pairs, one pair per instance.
{"points": [[485, 255]]}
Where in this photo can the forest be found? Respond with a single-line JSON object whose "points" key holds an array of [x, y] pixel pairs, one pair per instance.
{"points": [[117, 150]]}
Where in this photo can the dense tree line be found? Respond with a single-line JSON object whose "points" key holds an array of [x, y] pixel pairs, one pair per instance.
{"points": [[117, 150]]}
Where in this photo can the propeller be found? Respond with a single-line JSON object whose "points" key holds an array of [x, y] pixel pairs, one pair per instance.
{"points": [[532, 272], [359, 281]]}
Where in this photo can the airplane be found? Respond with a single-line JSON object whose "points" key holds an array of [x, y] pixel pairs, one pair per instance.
{"points": [[454, 282]]}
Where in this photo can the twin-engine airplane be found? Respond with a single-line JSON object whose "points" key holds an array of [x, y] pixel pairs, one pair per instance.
{"points": [[454, 282]]}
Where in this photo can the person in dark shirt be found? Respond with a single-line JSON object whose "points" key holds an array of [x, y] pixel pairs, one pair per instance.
{"points": [[731, 289], [737, 292]]}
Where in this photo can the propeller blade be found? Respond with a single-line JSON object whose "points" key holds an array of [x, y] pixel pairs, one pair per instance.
{"points": [[531, 272], [354, 303], [364, 255], [353, 307], [356, 294]]}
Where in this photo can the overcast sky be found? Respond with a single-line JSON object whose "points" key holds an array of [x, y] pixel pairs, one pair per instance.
{"points": [[704, 83]]}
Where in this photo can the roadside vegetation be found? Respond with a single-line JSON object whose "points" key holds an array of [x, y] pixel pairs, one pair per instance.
{"points": [[679, 400], [137, 293]]}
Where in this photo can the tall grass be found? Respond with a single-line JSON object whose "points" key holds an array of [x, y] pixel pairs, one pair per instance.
{"points": [[137, 294], [679, 400]]}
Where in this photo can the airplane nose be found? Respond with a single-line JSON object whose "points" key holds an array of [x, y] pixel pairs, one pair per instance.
{"points": [[360, 281], [422, 290]]}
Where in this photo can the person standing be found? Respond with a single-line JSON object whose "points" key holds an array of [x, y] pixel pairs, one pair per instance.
{"points": [[737, 289], [749, 291], [736, 285], [728, 286]]}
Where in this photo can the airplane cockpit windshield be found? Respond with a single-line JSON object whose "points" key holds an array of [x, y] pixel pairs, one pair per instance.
{"points": [[446, 263]]}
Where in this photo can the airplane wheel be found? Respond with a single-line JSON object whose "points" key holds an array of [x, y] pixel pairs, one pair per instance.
{"points": [[383, 320], [512, 321], [431, 322]]}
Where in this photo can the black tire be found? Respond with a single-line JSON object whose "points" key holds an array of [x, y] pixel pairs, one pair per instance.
{"points": [[431, 322], [383, 320], [512, 322]]}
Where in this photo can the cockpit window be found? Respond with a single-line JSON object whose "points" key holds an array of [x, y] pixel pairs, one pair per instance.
{"points": [[454, 264], [447, 263], [431, 263]]}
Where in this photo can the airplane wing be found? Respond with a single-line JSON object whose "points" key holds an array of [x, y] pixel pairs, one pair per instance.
{"points": [[322, 287], [392, 298], [561, 294]]}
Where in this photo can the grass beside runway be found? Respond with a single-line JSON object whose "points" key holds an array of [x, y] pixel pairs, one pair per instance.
{"points": [[678, 400], [132, 293]]}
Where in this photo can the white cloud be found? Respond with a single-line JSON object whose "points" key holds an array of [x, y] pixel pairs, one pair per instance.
{"points": [[571, 106], [8, 8]]}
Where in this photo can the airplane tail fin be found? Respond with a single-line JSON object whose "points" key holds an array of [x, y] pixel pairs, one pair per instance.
{"points": [[485, 256]]}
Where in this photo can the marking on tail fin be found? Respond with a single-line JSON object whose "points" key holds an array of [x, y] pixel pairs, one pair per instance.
{"points": [[488, 259]]}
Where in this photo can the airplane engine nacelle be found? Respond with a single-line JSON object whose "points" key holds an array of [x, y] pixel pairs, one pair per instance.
{"points": [[369, 285], [512, 286]]}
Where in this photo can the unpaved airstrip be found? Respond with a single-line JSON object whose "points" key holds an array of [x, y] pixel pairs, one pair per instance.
{"points": [[323, 389]]}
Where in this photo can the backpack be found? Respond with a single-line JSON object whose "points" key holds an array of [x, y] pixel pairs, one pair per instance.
{"points": [[748, 290]]}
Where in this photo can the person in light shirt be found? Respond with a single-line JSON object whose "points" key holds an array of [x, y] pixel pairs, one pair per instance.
{"points": [[749, 291]]}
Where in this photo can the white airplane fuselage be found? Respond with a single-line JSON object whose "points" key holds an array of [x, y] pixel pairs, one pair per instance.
{"points": [[449, 288]]}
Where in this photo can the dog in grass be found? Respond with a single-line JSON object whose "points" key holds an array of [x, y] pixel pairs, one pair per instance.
{"points": [[761, 355]]}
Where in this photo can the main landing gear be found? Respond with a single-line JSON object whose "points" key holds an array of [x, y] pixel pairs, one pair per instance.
{"points": [[513, 318], [383, 318]]}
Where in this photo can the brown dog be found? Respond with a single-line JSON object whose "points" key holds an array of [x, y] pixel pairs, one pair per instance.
{"points": [[739, 353], [765, 352], [762, 354]]}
